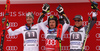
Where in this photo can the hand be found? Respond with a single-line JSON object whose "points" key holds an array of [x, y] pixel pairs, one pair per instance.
{"points": [[46, 8], [57, 38], [94, 5], [7, 24], [60, 9]]}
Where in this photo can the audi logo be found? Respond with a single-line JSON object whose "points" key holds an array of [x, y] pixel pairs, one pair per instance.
{"points": [[97, 47], [84, 23], [42, 47], [66, 36], [98, 23], [11, 37], [87, 47], [65, 47], [11, 48], [43, 37], [13, 24], [97, 35]]}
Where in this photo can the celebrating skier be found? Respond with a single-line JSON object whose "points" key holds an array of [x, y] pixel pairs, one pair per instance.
{"points": [[78, 33], [51, 30], [30, 33]]}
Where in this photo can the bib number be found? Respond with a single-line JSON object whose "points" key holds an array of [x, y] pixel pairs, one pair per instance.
{"points": [[76, 36], [50, 42], [30, 34]]}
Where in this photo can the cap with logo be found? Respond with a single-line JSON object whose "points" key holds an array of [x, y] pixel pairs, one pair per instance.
{"points": [[78, 16], [30, 14]]}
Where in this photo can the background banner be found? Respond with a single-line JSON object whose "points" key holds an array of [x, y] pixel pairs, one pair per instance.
{"points": [[18, 16]]}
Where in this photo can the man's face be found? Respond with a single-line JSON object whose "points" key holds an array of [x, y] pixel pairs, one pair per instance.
{"points": [[52, 24], [29, 20], [78, 22]]}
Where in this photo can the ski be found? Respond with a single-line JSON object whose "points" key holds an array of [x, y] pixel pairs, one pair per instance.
{"points": [[4, 23], [58, 42], [87, 31]]}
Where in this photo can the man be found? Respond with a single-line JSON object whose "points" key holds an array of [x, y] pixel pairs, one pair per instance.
{"points": [[51, 30], [30, 33], [78, 32]]}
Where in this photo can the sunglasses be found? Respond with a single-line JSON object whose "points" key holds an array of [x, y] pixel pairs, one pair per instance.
{"points": [[77, 20]]}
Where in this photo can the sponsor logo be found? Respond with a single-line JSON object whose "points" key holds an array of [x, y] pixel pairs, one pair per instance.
{"points": [[65, 47], [98, 24], [87, 47], [52, 13], [62, 48], [84, 23], [13, 24], [43, 37], [11, 48], [11, 37], [97, 47], [31, 41], [43, 48], [98, 36], [75, 43], [66, 36]]}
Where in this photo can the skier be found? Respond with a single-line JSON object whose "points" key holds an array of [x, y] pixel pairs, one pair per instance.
{"points": [[30, 32], [78, 32], [51, 30]]}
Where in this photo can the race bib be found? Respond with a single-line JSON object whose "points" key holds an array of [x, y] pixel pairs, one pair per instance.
{"points": [[50, 42], [30, 35], [76, 36]]}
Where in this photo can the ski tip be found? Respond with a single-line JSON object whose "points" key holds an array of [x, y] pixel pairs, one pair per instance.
{"points": [[60, 26]]}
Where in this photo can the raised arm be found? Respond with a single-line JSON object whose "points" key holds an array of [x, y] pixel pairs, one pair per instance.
{"points": [[93, 21], [94, 6], [42, 25], [15, 32], [45, 9], [66, 23]]}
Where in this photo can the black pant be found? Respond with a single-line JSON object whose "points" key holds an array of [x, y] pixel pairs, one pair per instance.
{"points": [[76, 50]]}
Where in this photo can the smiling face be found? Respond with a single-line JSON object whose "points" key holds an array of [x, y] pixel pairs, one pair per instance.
{"points": [[29, 20], [78, 22], [52, 24]]}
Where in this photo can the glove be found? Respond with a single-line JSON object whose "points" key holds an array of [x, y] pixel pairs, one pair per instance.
{"points": [[60, 9], [45, 8], [7, 24], [94, 5], [57, 38]]}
